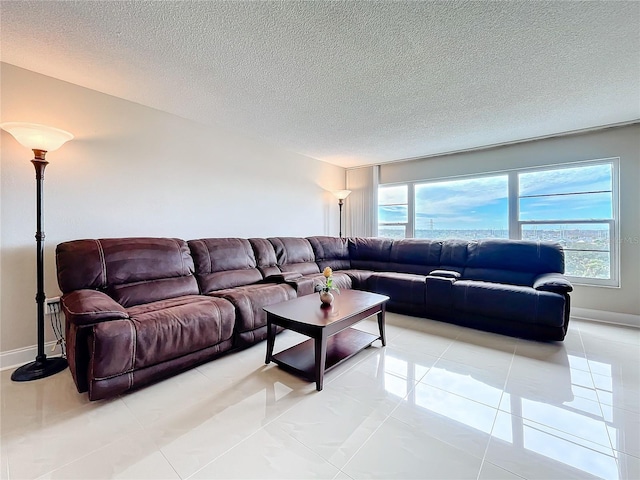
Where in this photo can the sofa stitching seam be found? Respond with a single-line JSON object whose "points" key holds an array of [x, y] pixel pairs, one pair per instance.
{"points": [[95, 312], [134, 335], [215, 304], [179, 252], [211, 270], [116, 375], [103, 263], [91, 312], [245, 297], [249, 252], [92, 363]]}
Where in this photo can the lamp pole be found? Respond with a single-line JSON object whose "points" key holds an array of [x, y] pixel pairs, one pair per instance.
{"points": [[43, 366], [40, 164], [340, 203], [40, 139]]}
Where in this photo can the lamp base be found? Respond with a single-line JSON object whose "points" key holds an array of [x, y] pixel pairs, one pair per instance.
{"points": [[39, 369]]}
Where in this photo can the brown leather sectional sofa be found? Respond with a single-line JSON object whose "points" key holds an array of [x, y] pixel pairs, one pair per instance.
{"points": [[140, 309]]}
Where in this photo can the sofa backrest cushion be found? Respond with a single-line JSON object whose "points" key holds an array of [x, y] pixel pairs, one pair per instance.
{"points": [[224, 263], [331, 252], [132, 271], [265, 256], [518, 255], [517, 262], [370, 253], [454, 255], [414, 255], [294, 255]]}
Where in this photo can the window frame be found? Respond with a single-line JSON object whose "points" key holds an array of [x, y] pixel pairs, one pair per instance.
{"points": [[516, 225], [408, 225], [613, 222]]}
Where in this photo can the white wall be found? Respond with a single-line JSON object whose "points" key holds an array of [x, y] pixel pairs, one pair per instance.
{"points": [[136, 171], [623, 142]]}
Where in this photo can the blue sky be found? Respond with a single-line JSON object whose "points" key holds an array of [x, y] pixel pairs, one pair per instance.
{"points": [[482, 203]]}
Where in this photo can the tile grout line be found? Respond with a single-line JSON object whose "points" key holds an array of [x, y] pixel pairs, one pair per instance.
{"points": [[495, 418], [377, 428], [598, 397]]}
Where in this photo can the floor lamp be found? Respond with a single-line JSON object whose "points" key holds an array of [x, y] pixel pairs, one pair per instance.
{"points": [[41, 139], [342, 195]]}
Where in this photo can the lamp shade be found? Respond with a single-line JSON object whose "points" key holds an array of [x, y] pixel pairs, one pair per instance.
{"points": [[37, 137], [342, 194]]}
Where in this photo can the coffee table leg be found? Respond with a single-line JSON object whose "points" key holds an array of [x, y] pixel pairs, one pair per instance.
{"points": [[381, 326], [271, 339], [321, 358]]}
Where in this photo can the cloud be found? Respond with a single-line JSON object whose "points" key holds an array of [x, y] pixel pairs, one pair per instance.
{"points": [[566, 180], [478, 203], [458, 196], [393, 194]]}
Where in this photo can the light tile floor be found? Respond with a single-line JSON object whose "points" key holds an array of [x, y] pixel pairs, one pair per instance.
{"points": [[440, 401]]}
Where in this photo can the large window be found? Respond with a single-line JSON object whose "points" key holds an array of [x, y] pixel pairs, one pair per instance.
{"points": [[572, 204], [469, 208]]}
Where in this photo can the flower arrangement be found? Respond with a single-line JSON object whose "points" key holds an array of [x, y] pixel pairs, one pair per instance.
{"points": [[328, 285]]}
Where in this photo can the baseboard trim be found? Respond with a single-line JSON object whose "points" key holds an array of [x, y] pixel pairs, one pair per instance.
{"points": [[626, 319], [20, 356]]}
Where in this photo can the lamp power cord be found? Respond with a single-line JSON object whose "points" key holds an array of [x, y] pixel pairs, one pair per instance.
{"points": [[55, 315]]}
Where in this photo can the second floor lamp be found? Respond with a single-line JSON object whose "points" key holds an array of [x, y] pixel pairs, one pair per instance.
{"points": [[342, 195]]}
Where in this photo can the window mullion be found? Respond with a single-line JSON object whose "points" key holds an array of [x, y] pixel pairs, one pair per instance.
{"points": [[411, 211], [515, 231]]}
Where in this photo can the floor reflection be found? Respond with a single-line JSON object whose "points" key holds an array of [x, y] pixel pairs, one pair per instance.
{"points": [[566, 423], [438, 401]]}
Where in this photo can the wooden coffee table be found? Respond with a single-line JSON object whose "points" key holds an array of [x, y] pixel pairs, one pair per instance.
{"points": [[332, 340]]}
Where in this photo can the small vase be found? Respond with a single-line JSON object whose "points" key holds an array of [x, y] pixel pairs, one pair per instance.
{"points": [[326, 298]]}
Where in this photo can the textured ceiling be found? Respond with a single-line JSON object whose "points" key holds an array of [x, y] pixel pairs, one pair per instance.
{"points": [[350, 83]]}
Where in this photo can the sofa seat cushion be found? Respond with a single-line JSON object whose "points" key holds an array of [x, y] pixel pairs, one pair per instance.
{"points": [[160, 331], [359, 278], [248, 300], [509, 302], [340, 280], [400, 287], [499, 276]]}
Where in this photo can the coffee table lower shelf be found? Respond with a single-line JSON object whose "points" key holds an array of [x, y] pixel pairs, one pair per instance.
{"points": [[300, 359]]}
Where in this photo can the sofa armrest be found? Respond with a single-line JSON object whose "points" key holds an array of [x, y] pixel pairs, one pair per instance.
{"points": [[303, 285], [552, 282], [283, 277], [445, 274], [439, 293], [86, 307]]}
